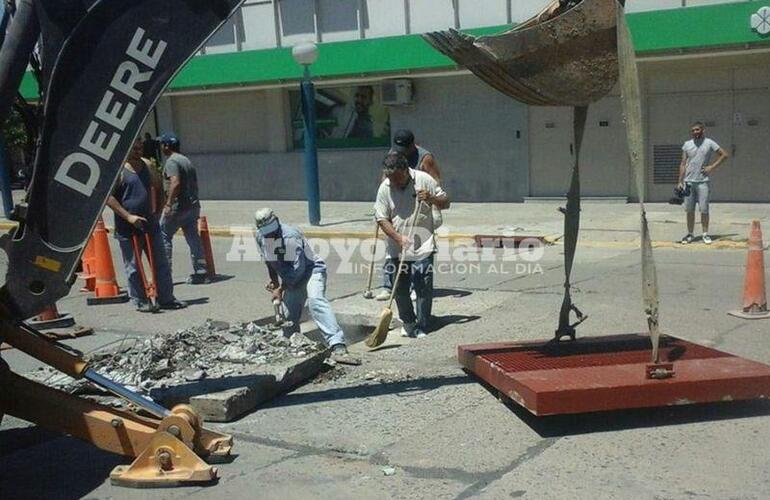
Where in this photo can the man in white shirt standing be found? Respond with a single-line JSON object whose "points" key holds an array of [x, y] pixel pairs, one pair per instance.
{"points": [[694, 175], [394, 210]]}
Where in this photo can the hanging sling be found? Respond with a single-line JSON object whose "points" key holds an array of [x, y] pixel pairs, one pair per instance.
{"points": [[571, 230], [632, 113]]}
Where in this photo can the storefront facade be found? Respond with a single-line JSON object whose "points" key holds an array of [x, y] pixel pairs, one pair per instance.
{"points": [[235, 106]]}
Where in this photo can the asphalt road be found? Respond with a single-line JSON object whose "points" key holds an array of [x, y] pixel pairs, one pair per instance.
{"points": [[444, 434]]}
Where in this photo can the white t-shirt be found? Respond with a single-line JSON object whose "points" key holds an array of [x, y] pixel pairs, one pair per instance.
{"points": [[698, 156], [397, 206]]}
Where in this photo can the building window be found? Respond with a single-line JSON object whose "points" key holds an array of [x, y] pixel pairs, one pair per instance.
{"points": [[316, 17], [340, 15], [347, 117], [297, 17]]}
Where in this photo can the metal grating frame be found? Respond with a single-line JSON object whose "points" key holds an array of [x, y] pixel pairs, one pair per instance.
{"points": [[576, 355], [609, 373]]}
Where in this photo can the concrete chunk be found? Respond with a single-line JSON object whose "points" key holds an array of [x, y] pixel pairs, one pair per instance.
{"points": [[229, 404]]}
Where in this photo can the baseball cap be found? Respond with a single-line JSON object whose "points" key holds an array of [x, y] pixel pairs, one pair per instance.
{"points": [[266, 221], [168, 138], [402, 140]]}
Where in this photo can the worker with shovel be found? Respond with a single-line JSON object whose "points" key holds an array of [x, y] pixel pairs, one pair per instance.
{"points": [[404, 211], [298, 275]]}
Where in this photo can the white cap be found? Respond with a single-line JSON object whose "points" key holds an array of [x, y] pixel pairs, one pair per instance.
{"points": [[266, 221]]}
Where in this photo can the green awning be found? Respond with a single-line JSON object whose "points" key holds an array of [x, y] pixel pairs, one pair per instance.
{"points": [[674, 30], [695, 28], [395, 54]]}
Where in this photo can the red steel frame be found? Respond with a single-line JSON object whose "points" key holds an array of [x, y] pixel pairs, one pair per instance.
{"points": [[609, 373]]}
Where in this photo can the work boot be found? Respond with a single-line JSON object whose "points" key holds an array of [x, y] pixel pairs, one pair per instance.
{"points": [[341, 355], [383, 295], [198, 279], [174, 304], [146, 307]]}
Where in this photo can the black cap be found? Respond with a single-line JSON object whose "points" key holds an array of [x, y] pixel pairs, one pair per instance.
{"points": [[402, 140], [169, 138]]}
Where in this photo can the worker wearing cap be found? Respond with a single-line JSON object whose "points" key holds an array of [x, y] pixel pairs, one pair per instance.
{"points": [[406, 199], [183, 207], [419, 159], [298, 275]]}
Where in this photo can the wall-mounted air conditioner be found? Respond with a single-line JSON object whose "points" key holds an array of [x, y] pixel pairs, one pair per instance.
{"points": [[397, 92]]}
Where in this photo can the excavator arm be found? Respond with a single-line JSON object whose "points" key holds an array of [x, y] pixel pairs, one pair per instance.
{"points": [[103, 65]]}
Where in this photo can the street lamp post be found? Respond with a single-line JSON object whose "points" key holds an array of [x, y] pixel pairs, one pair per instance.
{"points": [[306, 54]]}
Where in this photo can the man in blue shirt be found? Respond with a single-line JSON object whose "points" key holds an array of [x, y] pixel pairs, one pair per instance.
{"points": [[136, 214], [298, 275]]}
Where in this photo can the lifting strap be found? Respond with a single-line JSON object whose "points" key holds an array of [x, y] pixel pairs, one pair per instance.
{"points": [[632, 114], [571, 229]]}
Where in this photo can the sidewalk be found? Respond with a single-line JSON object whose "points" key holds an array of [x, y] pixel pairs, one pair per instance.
{"points": [[603, 224]]}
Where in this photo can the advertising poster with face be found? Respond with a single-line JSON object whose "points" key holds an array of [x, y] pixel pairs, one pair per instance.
{"points": [[347, 117]]}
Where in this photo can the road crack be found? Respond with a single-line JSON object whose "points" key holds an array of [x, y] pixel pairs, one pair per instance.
{"points": [[482, 481]]}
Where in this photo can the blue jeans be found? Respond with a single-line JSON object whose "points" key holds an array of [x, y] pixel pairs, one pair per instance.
{"points": [[419, 275], [186, 219], [388, 272], [163, 282], [313, 290]]}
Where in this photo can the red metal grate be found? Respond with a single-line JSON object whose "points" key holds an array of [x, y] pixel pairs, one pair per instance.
{"points": [[554, 356], [610, 373]]}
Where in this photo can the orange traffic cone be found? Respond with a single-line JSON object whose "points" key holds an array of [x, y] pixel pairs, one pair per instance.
{"points": [[88, 261], [754, 296], [51, 318], [203, 229], [106, 290]]}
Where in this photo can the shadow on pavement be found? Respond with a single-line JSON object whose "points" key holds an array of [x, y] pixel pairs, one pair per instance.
{"points": [[404, 388], [220, 277], [439, 322], [640, 418], [13, 440], [197, 302], [61, 468], [717, 237], [450, 292], [349, 221]]}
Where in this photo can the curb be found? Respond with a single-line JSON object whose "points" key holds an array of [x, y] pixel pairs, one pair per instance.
{"points": [[246, 231], [717, 245], [329, 235], [224, 232]]}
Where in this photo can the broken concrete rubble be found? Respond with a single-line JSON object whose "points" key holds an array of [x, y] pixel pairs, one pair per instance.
{"points": [[213, 351]]}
